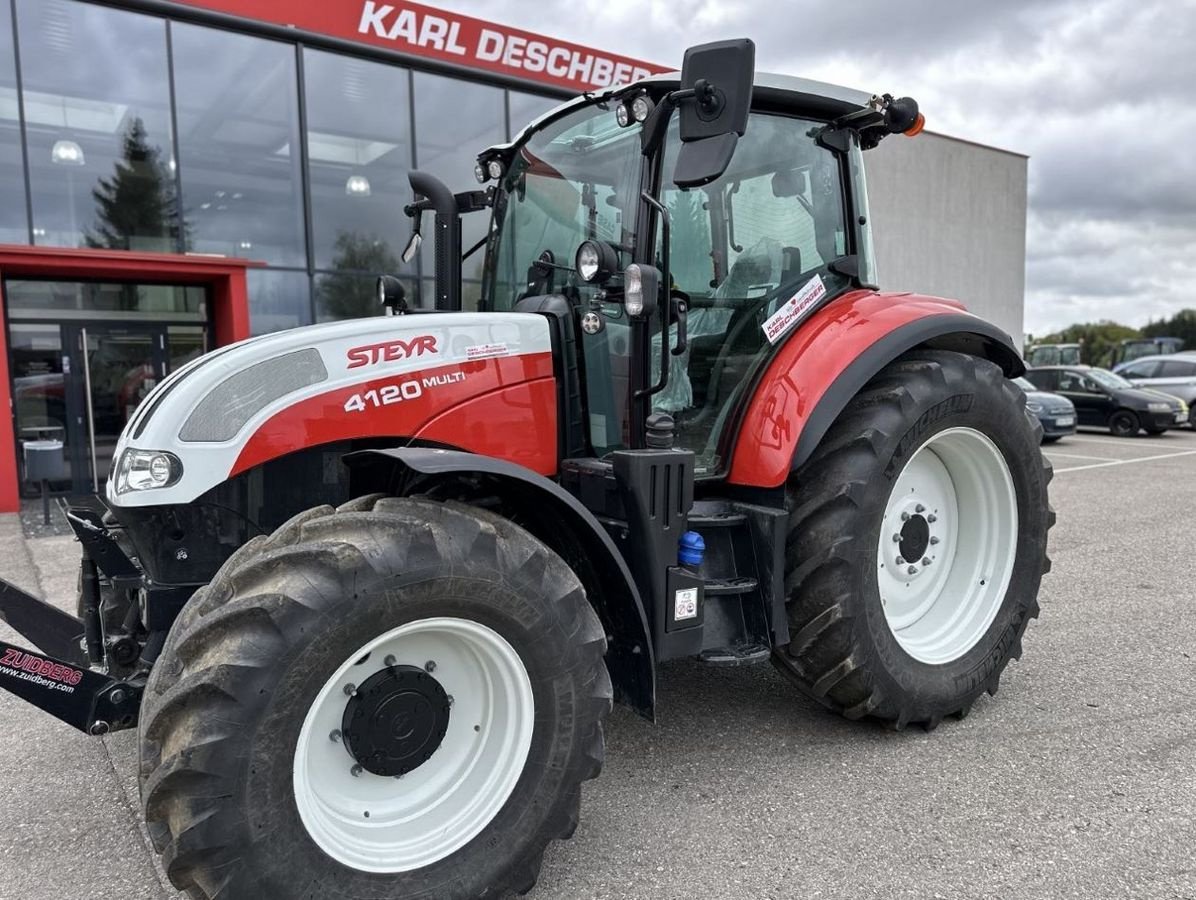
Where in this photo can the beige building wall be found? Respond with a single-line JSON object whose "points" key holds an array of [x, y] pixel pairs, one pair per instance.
{"points": [[949, 219]]}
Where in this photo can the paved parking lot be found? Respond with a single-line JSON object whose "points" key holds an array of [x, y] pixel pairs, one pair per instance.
{"points": [[1077, 780]]}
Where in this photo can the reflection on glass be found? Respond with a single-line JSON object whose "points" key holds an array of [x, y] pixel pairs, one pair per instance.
{"points": [[100, 300], [454, 121], [238, 115], [527, 107], [14, 225], [39, 390], [345, 294], [278, 300], [359, 154], [97, 114]]}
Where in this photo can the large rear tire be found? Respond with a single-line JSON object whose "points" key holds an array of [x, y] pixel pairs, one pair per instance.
{"points": [[395, 699], [917, 542]]}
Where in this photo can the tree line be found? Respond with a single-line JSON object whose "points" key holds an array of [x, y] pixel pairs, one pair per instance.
{"points": [[1098, 340]]}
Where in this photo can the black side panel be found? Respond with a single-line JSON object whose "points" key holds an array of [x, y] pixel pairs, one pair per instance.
{"points": [[566, 368], [555, 517], [961, 333]]}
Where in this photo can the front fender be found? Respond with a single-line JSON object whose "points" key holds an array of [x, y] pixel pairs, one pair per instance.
{"points": [[830, 358], [558, 519]]}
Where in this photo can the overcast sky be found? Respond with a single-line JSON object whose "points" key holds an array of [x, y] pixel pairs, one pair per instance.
{"points": [[1101, 94]]}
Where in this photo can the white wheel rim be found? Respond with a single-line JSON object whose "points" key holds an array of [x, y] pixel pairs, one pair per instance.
{"points": [[378, 823], [955, 497]]}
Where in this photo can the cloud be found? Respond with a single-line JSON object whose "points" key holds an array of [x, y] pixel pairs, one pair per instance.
{"points": [[1098, 94]]}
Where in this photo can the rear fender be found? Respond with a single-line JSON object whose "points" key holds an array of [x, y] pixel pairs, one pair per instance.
{"points": [[555, 517], [828, 361]]}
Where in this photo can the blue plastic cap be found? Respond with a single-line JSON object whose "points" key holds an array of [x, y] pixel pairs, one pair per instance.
{"points": [[691, 549]]}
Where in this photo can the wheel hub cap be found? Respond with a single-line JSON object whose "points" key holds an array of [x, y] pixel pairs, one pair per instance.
{"points": [[396, 720]]}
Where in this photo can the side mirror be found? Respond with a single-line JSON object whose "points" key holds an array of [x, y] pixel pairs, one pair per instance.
{"points": [[715, 99]]}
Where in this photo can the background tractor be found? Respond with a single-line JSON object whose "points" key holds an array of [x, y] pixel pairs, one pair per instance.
{"points": [[367, 589]]}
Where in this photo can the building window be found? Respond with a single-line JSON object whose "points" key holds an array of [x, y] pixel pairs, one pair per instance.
{"points": [[238, 119], [14, 223], [278, 300], [359, 154], [526, 108], [454, 121], [97, 117]]}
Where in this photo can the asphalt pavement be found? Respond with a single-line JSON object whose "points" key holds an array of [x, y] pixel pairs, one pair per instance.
{"points": [[1077, 780]]}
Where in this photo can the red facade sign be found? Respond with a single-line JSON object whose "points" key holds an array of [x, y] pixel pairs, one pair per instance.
{"points": [[446, 36]]}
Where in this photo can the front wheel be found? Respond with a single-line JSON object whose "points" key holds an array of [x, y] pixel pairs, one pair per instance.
{"points": [[917, 542], [1123, 423], [397, 699]]}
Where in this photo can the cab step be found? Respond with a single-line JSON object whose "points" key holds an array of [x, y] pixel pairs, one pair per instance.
{"points": [[740, 655], [723, 586]]}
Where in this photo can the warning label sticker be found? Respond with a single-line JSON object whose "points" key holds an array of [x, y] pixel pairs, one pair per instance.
{"points": [[791, 312], [685, 604]]}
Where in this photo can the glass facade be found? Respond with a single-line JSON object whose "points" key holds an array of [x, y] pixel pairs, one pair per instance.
{"points": [[126, 130]]}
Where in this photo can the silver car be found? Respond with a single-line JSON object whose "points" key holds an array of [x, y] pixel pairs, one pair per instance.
{"points": [[1173, 374]]}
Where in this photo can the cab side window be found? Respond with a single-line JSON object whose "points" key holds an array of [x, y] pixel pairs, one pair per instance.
{"points": [[1074, 382]]}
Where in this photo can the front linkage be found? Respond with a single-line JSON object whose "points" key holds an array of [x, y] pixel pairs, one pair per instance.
{"points": [[69, 679]]}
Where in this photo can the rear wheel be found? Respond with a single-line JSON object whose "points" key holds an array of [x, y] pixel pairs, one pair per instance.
{"points": [[399, 698], [1123, 423], [917, 543]]}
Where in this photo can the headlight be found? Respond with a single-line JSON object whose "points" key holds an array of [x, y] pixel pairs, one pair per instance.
{"points": [[143, 470], [1034, 406], [641, 108], [480, 173], [596, 261], [494, 167], [1158, 407]]}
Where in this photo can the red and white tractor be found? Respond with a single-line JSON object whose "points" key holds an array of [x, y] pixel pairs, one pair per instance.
{"points": [[368, 589]]}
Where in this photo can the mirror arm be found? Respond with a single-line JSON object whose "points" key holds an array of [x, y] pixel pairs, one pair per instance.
{"points": [[666, 279]]}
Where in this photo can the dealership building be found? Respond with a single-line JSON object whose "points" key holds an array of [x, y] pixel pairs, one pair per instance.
{"points": [[178, 175]]}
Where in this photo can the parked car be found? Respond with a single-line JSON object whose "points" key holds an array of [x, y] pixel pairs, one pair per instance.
{"points": [[1105, 400], [1173, 374], [1054, 411]]}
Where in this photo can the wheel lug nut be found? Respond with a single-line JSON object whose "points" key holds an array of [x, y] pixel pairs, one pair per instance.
{"points": [[919, 508], [926, 560], [430, 666], [913, 570], [933, 541], [335, 736], [356, 770], [905, 517], [900, 561], [450, 699], [350, 689], [932, 518], [896, 539], [390, 661]]}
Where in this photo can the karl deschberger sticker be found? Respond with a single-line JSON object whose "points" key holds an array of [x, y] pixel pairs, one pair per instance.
{"points": [[793, 309]]}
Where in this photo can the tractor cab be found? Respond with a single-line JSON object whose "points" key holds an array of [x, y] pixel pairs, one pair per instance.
{"points": [[688, 223]]}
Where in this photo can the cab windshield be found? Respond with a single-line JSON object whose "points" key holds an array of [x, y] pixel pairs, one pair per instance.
{"points": [[763, 234]]}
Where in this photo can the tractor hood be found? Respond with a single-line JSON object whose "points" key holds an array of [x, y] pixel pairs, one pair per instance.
{"points": [[412, 377]]}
